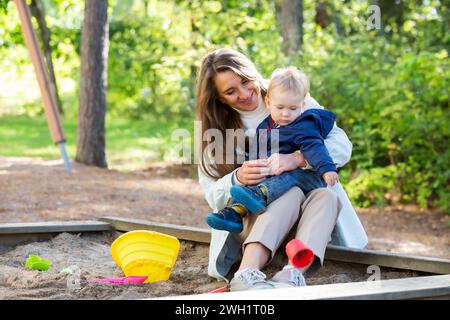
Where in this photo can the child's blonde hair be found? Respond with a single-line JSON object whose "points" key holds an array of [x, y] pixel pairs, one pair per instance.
{"points": [[289, 78]]}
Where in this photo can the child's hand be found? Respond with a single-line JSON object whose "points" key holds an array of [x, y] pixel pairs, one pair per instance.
{"points": [[331, 178]]}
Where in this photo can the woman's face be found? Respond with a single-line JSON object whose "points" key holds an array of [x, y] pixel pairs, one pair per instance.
{"points": [[237, 92]]}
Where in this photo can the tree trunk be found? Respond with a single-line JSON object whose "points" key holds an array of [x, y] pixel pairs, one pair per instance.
{"points": [[38, 12], [93, 82], [337, 20], [321, 18], [193, 68], [290, 20], [444, 11], [146, 8]]}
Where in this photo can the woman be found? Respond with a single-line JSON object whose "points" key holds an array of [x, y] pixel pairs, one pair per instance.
{"points": [[230, 95]]}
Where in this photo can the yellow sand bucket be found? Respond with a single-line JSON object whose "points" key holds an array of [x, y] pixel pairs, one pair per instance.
{"points": [[146, 253]]}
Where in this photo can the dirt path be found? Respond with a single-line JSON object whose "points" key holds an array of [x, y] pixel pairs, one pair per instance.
{"points": [[40, 190]]}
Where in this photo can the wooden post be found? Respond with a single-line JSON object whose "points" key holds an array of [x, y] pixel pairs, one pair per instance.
{"points": [[48, 96], [51, 108]]}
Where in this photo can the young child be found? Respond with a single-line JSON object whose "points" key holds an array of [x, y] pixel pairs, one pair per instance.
{"points": [[296, 129]]}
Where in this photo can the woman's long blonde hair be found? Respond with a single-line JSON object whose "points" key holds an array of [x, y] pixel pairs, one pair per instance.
{"points": [[215, 114]]}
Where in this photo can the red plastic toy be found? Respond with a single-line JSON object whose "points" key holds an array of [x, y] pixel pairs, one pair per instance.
{"points": [[299, 254]]}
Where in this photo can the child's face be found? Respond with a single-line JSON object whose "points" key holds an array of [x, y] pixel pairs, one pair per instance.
{"points": [[284, 106]]}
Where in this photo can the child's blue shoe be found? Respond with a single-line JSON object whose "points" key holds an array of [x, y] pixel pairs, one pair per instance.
{"points": [[226, 219], [252, 198]]}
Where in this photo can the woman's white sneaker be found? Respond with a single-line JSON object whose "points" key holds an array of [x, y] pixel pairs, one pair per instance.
{"points": [[288, 278], [250, 279]]}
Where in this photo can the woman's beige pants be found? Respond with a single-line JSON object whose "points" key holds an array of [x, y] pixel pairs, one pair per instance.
{"points": [[318, 215]]}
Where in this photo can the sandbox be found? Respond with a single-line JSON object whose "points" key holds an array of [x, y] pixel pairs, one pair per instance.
{"points": [[87, 255]]}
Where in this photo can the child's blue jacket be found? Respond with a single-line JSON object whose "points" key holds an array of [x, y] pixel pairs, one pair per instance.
{"points": [[306, 133]]}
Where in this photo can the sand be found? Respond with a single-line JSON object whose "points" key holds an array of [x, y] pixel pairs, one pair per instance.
{"points": [[88, 255]]}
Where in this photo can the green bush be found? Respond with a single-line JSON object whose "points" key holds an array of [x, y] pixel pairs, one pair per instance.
{"points": [[395, 108], [398, 183]]}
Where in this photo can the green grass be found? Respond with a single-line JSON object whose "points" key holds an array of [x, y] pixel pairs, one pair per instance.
{"points": [[129, 143]]}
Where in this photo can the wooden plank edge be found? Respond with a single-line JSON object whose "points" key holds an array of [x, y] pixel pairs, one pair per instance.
{"points": [[388, 259], [393, 289], [53, 227]]}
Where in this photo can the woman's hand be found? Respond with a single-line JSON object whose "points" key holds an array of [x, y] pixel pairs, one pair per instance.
{"points": [[331, 178], [253, 172], [279, 163]]}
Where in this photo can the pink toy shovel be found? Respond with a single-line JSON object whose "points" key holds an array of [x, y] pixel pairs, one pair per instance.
{"points": [[221, 289], [129, 279]]}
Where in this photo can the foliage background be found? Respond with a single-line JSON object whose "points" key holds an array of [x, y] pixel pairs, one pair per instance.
{"points": [[389, 87]]}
